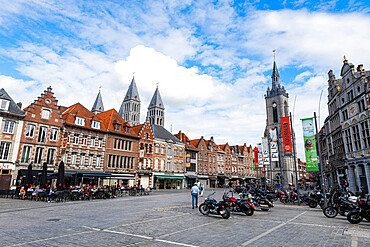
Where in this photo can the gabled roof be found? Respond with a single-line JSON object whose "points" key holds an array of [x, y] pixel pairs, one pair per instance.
{"points": [[160, 132], [182, 137], [132, 92], [156, 100], [98, 104], [195, 142], [112, 120], [13, 107], [78, 110]]}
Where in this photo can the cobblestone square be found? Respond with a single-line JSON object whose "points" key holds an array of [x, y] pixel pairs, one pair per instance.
{"points": [[167, 219]]}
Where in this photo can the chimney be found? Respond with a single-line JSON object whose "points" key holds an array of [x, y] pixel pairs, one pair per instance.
{"points": [[19, 104]]}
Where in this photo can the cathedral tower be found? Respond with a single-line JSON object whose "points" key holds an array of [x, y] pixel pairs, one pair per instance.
{"points": [[156, 109], [130, 107]]}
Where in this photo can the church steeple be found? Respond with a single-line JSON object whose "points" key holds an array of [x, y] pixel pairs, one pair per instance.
{"points": [[130, 107], [275, 75], [156, 109], [98, 105]]}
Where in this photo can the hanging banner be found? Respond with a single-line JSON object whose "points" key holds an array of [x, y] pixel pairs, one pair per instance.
{"points": [[255, 160], [260, 155], [273, 145], [266, 154], [287, 140], [310, 145], [187, 160]]}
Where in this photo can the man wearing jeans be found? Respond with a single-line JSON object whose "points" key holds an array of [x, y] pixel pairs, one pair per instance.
{"points": [[194, 195]]}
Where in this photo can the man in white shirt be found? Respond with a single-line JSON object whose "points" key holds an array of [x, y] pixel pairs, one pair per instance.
{"points": [[194, 195]]}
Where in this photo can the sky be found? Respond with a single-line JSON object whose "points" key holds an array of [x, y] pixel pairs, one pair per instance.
{"points": [[212, 60]]}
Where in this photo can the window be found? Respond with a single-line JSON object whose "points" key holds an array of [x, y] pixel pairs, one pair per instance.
{"points": [[9, 127], [180, 152], [98, 159], [26, 154], [168, 166], [84, 140], [30, 130], [169, 152], [100, 142], [92, 142], [365, 134], [38, 155], [82, 159], [42, 134], [95, 125], [80, 121], [350, 96], [45, 114], [146, 135], [4, 105], [162, 150], [345, 115], [347, 134], [175, 152], [274, 112], [90, 160], [50, 156], [4, 150], [356, 137], [157, 149], [76, 138], [361, 105], [54, 135], [73, 158]]}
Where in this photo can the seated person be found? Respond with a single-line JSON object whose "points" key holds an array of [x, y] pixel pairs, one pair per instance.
{"points": [[22, 192]]}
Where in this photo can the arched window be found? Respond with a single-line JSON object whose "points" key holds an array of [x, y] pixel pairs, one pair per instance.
{"points": [[275, 112]]}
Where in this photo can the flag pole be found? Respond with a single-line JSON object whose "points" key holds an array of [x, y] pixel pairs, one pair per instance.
{"points": [[318, 153], [294, 157]]}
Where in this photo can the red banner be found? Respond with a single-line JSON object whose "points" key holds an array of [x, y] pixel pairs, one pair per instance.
{"points": [[287, 141], [255, 156]]}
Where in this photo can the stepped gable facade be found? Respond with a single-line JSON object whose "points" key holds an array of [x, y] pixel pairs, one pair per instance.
{"points": [[41, 134]]}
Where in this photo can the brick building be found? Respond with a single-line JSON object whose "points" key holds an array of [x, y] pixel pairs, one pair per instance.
{"points": [[84, 155], [144, 171], [11, 125], [41, 135], [121, 149]]}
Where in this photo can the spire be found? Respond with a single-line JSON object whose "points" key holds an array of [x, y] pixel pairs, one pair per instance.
{"points": [[156, 100], [275, 74], [132, 92], [98, 104]]}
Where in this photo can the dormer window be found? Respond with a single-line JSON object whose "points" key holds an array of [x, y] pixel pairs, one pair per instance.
{"points": [[45, 114], [80, 121], [4, 105], [117, 126], [95, 125]]}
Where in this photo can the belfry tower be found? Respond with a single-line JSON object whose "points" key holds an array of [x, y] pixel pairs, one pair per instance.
{"points": [[130, 107]]}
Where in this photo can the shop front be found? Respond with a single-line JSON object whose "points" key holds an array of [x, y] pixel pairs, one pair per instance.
{"points": [[190, 180], [144, 178], [204, 181], [212, 182], [169, 181]]}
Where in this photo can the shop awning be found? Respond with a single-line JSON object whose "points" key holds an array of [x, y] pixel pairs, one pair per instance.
{"points": [[222, 177], [169, 177], [191, 176], [214, 179], [121, 176]]}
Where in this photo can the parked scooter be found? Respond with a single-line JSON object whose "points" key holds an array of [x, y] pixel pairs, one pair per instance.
{"points": [[211, 206]]}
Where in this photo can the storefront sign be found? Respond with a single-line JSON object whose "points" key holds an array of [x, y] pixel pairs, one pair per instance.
{"points": [[310, 145], [287, 140], [7, 166], [255, 160]]}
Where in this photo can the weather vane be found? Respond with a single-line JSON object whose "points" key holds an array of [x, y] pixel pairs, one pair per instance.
{"points": [[157, 83], [274, 53]]}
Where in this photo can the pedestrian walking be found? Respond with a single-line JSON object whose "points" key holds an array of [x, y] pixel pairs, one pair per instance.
{"points": [[194, 195]]}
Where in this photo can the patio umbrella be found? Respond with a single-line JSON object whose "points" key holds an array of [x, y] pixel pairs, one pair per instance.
{"points": [[29, 178], [60, 179], [43, 175]]}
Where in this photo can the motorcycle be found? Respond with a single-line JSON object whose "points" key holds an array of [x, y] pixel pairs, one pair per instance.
{"points": [[211, 206], [362, 211], [239, 205], [259, 201], [339, 204]]}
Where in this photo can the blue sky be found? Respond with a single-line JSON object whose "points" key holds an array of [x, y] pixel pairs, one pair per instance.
{"points": [[212, 59]]}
